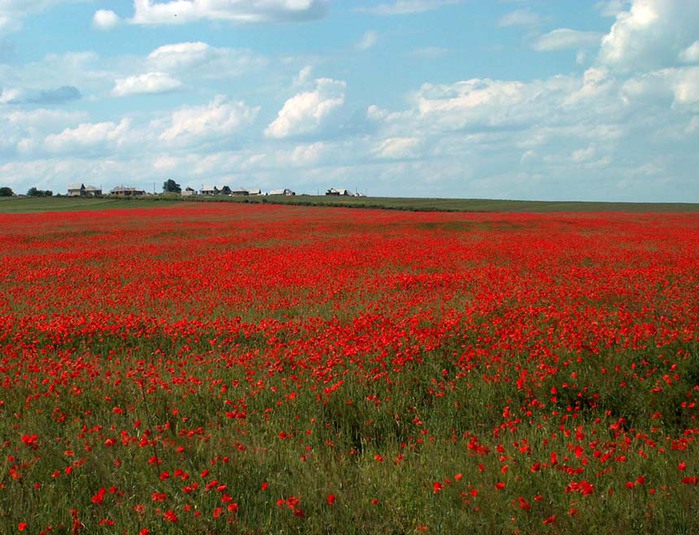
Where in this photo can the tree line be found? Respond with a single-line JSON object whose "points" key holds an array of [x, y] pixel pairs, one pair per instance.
{"points": [[6, 191], [170, 186]]}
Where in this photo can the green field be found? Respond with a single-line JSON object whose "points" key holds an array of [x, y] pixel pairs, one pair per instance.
{"points": [[62, 204], [18, 205]]}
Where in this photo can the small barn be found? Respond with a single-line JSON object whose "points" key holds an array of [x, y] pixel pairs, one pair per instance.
{"points": [[339, 192], [285, 191], [122, 191], [92, 191], [76, 190]]}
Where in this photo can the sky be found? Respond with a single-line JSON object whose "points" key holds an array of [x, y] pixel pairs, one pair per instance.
{"points": [[493, 99]]}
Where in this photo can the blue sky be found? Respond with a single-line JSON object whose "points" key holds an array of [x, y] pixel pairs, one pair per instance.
{"points": [[508, 99]]}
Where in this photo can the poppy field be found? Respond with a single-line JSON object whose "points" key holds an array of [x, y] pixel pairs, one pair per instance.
{"points": [[238, 368]]}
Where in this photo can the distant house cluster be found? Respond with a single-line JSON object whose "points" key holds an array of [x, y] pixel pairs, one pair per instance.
{"points": [[238, 192], [343, 193], [121, 191], [81, 190]]}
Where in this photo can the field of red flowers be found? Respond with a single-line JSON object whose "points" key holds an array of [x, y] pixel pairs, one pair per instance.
{"points": [[230, 368]]}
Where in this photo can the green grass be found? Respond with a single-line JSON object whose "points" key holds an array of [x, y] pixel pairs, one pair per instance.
{"points": [[19, 205], [64, 204], [475, 205]]}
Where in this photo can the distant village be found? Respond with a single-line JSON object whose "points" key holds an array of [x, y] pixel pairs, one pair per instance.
{"points": [[82, 190]]}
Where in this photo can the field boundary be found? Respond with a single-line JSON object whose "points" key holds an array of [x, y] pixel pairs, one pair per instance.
{"points": [[63, 204]]}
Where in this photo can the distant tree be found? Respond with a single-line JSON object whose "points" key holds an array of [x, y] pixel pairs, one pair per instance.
{"points": [[6, 192], [34, 192], [170, 186]]}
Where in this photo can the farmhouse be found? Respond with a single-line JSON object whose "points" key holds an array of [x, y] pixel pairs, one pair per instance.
{"points": [[285, 191], [81, 190], [339, 192], [76, 190], [215, 190], [240, 192], [187, 192], [92, 191], [122, 191]]}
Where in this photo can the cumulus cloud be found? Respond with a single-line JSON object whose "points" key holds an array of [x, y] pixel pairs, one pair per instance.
{"points": [[10, 96], [219, 117], [307, 112], [397, 147], [307, 154], [203, 60], [105, 19], [184, 11], [691, 53], [650, 34], [563, 38], [143, 84], [87, 135], [24, 130], [475, 102], [179, 55]]}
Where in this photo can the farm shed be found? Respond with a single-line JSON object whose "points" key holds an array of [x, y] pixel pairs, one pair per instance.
{"points": [[76, 190], [122, 191]]}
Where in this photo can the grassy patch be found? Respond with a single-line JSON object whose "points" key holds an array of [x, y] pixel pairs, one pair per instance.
{"points": [[63, 204]]}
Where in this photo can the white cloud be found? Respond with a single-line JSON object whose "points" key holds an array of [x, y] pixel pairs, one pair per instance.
{"points": [[691, 53], [178, 55], [307, 154], [184, 11], [24, 130], [584, 155], [406, 7], [105, 19], [149, 83], [520, 17], [213, 120], [87, 135], [474, 102], [563, 38], [303, 78], [10, 95], [686, 87], [80, 70], [678, 87], [397, 147], [201, 59], [650, 34], [307, 112], [368, 40]]}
